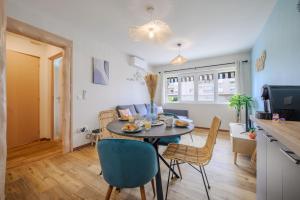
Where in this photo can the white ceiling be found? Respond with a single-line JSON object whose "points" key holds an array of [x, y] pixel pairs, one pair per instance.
{"points": [[205, 27]]}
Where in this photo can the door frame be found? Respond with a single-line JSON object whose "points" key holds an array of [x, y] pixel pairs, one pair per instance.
{"points": [[52, 58], [3, 119], [21, 28]]}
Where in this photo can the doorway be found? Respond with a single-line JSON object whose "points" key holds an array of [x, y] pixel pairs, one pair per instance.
{"points": [[34, 74], [34, 33], [18, 27], [56, 82]]}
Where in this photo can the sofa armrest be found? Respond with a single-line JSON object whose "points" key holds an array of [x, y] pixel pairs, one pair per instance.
{"points": [[177, 112]]}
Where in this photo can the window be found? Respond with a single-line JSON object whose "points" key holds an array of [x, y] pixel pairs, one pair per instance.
{"points": [[187, 88], [204, 86], [226, 85], [172, 89]]}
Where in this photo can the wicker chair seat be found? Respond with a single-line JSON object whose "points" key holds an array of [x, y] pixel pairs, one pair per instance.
{"points": [[187, 154]]}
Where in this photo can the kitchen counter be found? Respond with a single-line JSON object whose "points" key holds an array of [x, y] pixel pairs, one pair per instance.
{"points": [[287, 132]]}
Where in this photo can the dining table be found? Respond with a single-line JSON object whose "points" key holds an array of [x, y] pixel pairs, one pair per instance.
{"points": [[153, 136]]}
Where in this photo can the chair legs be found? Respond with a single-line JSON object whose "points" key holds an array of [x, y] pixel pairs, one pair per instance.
{"points": [[202, 172], [204, 182], [143, 194], [168, 180], [179, 170], [206, 177], [153, 187], [108, 193], [142, 190]]}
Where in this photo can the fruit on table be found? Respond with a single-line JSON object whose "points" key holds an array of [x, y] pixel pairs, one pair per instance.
{"points": [[130, 127]]}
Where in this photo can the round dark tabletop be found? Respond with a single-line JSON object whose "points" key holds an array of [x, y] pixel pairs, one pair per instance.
{"points": [[154, 132]]}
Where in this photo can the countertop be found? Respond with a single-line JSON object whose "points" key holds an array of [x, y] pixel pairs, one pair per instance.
{"points": [[287, 132]]}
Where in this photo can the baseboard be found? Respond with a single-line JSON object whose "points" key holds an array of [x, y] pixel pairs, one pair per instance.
{"points": [[81, 146], [45, 139]]}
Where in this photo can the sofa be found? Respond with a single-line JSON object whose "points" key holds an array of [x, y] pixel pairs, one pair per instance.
{"points": [[144, 109]]}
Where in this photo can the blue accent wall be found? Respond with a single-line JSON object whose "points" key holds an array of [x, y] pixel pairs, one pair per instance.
{"points": [[280, 37]]}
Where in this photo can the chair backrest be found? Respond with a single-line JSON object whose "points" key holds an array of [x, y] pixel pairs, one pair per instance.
{"points": [[212, 135], [106, 117], [127, 163]]}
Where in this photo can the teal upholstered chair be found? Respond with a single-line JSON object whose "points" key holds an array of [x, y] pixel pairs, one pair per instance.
{"points": [[167, 140], [127, 164]]}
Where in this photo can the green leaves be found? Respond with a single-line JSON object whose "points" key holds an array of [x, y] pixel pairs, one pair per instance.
{"points": [[238, 101]]}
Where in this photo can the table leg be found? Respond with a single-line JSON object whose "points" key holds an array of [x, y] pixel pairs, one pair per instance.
{"points": [[155, 144], [159, 189]]}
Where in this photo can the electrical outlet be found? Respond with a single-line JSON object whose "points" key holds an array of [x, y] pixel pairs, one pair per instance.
{"points": [[84, 129]]}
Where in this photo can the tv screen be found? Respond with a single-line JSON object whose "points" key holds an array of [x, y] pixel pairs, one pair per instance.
{"points": [[285, 100]]}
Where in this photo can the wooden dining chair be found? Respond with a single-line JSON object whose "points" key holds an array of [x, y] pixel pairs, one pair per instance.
{"points": [[105, 117], [199, 156]]}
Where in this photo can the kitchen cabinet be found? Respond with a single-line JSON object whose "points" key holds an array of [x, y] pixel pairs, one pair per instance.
{"points": [[290, 176], [261, 165], [278, 170], [274, 169]]}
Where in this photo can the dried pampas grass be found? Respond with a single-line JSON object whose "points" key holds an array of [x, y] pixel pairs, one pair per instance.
{"points": [[151, 82]]}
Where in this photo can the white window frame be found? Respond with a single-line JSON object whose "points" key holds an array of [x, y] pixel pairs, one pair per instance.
{"points": [[166, 85], [196, 74], [180, 87], [203, 72]]}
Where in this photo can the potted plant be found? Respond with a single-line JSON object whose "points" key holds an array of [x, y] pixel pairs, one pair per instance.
{"points": [[238, 102]]}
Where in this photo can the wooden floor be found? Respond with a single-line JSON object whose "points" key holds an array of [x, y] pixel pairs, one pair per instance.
{"points": [[18, 156], [75, 176]]}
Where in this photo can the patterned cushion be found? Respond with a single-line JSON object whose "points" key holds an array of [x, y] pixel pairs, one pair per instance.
{"points": [[122, 107], [124, 114]]}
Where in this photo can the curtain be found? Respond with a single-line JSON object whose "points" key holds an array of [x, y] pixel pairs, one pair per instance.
{"points": [[160, 93], [243, 77]]}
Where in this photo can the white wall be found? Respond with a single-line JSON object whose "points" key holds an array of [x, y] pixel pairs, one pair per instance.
{"points": [[86, 44], [202, 114], [43, 51]]}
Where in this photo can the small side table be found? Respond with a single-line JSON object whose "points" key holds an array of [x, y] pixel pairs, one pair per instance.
{"points": [[240, 141]]}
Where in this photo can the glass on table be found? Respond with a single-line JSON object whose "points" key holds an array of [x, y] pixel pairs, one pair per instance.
{"points": [[147, 125]]}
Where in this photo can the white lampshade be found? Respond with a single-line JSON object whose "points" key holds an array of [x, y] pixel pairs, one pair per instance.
{"points": [[154, 31], [178, 60]]}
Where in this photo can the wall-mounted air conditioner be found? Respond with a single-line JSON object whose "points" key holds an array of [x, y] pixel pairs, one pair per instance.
{"points": [[137, 62]]}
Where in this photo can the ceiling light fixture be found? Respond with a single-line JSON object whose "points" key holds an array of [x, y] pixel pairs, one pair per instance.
{"points": [[154, 31], [178, 60]]}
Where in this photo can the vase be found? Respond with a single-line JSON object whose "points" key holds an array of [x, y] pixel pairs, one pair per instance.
{"points": [[152, 113]]}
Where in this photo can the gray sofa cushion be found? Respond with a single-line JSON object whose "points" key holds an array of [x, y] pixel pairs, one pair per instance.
{"points": [[141, 109], [123, 107], [184, 113]]}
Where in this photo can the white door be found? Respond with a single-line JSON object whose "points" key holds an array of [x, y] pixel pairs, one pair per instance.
{"points": [[57, 63]]}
